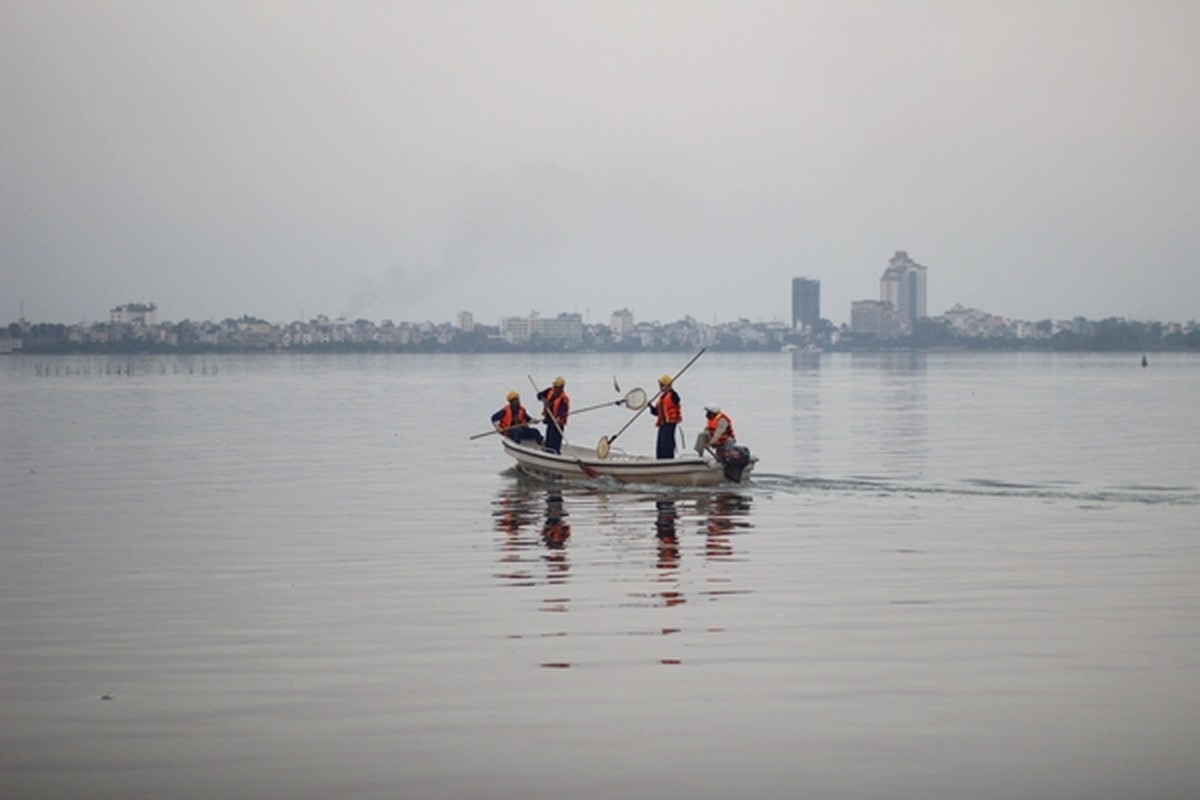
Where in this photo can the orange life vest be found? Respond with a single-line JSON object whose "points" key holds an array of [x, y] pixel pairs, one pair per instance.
{"points": [[668, 409], [712, 427], [510, 418], [557, 404]]}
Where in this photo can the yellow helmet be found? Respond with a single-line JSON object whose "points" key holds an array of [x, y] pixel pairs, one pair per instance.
{"points": [[513, 396], [560, 382], [665, 380]]}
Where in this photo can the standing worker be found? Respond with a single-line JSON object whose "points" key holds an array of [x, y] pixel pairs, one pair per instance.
{"points": [[667, 414], [717, 434], [513, 421], [555, 408]]}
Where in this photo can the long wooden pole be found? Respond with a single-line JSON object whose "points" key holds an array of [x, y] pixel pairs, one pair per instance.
{"points": [[606, 441], [591, 473], [495, 431], [631, 396]]}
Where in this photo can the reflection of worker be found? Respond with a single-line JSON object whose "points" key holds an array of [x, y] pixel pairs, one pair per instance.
{"points": [[668, 539], [513, 421], [718, 433], [512, 512], [555, 407], [556, 530], [665, 519], [668, 413]]}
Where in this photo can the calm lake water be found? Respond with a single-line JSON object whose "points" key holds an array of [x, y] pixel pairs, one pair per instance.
{"points": [[952, 576]]}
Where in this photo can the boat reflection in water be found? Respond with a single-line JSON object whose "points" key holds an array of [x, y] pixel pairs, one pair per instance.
{"points": [[725, 514], [719, 517], [515, 513], [637, 555]]}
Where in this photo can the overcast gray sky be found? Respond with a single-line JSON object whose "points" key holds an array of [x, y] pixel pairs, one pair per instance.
{"points": [[410, 160]]}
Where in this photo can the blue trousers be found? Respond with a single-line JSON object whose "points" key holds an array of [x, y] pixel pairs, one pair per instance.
{"points": [[553, 438], [520, 435], [666, 441]]}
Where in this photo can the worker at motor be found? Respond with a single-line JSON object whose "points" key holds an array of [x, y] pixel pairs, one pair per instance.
{"points": [[556, 406], [718, 432], [513, 421], [668, 413]]}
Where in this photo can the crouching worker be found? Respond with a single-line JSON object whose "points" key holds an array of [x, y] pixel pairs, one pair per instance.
{"points": [[513, 421], [717, 434]]}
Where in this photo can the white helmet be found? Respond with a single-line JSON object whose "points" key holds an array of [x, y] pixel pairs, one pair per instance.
{"points": [[712, 408]]}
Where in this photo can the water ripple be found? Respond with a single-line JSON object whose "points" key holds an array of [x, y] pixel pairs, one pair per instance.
{"points": [[984, 487]]}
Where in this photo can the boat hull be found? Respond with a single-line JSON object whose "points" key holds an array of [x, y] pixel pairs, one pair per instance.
{"points": [[570, 465]]}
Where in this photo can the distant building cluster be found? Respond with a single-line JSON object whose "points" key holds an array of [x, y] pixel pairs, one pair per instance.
{"points": [[137, 332], [134, 314], [897, 319], [565, 329], [901, 303]]}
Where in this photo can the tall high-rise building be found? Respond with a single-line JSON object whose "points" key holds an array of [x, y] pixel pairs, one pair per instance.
{"points": [[903, 285], [806, 303]]}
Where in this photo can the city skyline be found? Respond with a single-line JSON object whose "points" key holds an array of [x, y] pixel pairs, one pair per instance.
{"points": [[620, 320], [902, 302], [135, 329]]}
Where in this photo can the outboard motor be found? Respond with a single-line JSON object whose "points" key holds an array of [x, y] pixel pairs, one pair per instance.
{"points": [[735, 459]]}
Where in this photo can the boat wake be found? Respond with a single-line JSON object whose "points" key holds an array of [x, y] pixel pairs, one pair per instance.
{"points": [[873, 486], [981, 487]]}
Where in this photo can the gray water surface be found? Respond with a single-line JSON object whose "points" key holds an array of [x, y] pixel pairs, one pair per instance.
{"points": [[297, 577]]}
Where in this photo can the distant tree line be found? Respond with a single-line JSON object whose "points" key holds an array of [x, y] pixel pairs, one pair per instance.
{"points": [[251, 335], [1107, 335]]}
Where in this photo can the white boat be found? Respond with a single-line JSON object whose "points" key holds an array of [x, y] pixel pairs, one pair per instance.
{"points": [[583, 463]]}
